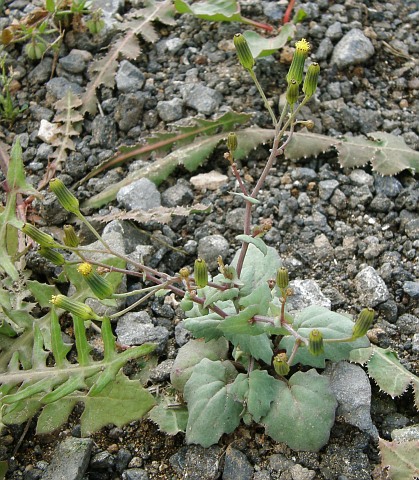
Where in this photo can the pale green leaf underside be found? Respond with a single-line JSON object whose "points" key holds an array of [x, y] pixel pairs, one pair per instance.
{"points": [[213, 410], [261, 46], [401, 459], [302, 413], [170, 420]]}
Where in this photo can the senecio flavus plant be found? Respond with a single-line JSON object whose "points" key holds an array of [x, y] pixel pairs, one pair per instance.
{"points": [[252, 359]]}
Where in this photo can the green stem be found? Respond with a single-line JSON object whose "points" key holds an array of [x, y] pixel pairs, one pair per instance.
{"points": [[262, 94]]}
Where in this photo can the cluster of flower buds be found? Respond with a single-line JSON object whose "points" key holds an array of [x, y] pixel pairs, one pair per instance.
{"points": [[99, 285]]}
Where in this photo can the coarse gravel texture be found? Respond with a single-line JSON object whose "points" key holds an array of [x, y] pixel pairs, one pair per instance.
{"points": [[349, 238]]}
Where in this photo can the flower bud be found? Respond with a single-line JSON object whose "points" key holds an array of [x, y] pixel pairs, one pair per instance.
{"points": [[35, 50], [311, 79], [99, 285], [184, 273], [232, 142], [363, 323], [315, 345], [70, 237], [293, 91], [295, 72], [243, 51], [282, 279], [52, 255], [64, 196], [200, 273], [280, 364], [95, 25], [39, 236], [76, 308]]}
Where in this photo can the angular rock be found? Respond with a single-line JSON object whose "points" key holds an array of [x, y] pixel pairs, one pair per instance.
{"points": [[70, 460], [201, 98], [212, 246], [236, 466], [354, 48], [141, 194], [370, 287], [129, 78], [170, 110], [306, 293]]}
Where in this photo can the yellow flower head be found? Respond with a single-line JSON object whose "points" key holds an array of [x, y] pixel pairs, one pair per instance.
{"points": [[303, 46], [85, 269]]}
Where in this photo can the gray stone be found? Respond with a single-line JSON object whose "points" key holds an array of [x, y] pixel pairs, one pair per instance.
{"points": [[334, 31], [132, 329], [306, 293], [325, 49], [352, 388], [412, 289], [370, 287], [298, 472], [102, 460], [70, 460], [406, 434], [415, 343], [129, 110], [41, 73], [182, 334], [326, 188], [360, 178], [58, 87], [354, 48], [161, 373], [304, 174], [197, 463], [339, 199], [201, 98], [141, 194], [103, 132], [388, 186], [129, 78], [76, 61], [236, 466], [170, 110], [109, 8], [179, 194], [235, 218], [135, 474], [279, 462], [412, 229], [408, 324], [382, 204], [210, 247]]}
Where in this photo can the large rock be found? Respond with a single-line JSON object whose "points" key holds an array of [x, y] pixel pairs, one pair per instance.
{"points": [[354, 48]]}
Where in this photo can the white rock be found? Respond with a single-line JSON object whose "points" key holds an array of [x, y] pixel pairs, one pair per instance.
{"points": [[47, 131], [211, 181]]}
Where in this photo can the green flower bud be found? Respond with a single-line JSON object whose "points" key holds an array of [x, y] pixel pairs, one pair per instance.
{"points": [[70, 237], [282, 279], [363, 323], [35, 50], [95, 25], [311, 79], [76, 308], [52, 255], [39, 236], [243, 51], [98, 284], [232, 142], [200, 273], [65, 197], [315, 345], [293, 91], [295, 72], [280, 364]]}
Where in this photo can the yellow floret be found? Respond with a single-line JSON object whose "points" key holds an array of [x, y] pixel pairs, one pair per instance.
{"points": [[303, 45], [85, 269]]}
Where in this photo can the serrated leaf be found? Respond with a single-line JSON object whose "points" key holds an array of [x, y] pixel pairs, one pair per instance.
{"points": [[170, 420], [258, 346], [261, 46], [256, 241], [389, 374], [400, 459], [54, 415], [256, 391], [302, 413], [191, 354], [212, 408], [112, 407], [331, 325], [42, 292]]}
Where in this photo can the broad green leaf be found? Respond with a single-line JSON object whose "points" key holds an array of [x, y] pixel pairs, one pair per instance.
{"points": [[170, 420], [241, 322], [120, 402], [385, 368], [258, 346], [205, 327], [302, 413], [55, 414], [331, 325], [256, 391], [261, 46], [212, 10], [256, 241], [42, 292], [212, 408], [191, 354], [20, 411], [257, 268], [400, 459], [217, 295]]}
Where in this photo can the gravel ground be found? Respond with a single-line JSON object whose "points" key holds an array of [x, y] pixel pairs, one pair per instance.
{"points": [[349, 238]]}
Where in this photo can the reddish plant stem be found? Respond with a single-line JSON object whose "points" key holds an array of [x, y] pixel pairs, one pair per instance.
{"points": [[288, 11]]}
